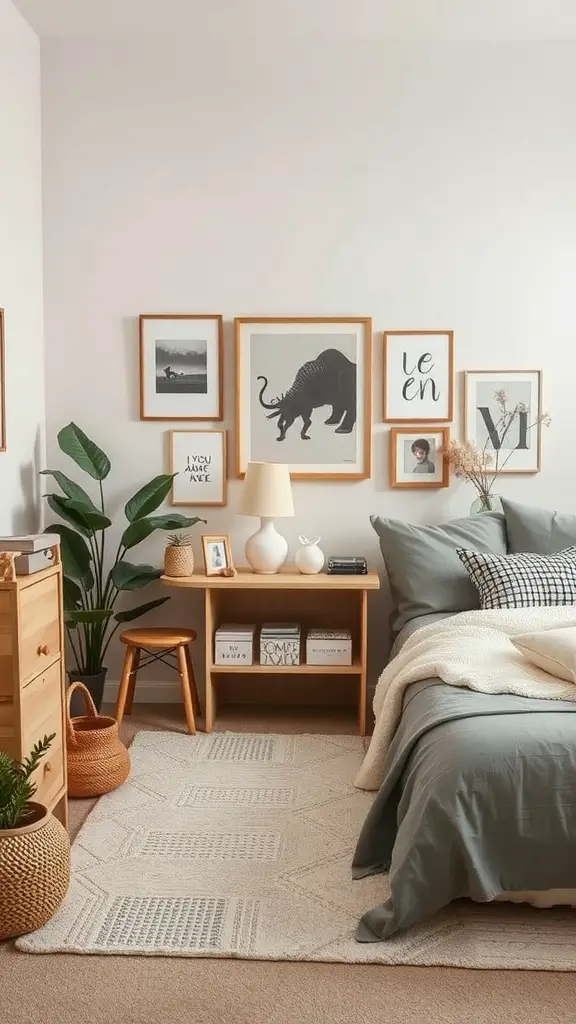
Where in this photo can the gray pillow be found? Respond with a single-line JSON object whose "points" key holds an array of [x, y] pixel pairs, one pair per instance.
{"points": [[424, 571], [537, 529]]}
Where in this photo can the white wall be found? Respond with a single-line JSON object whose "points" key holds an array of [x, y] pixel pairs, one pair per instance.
{"points": [[21, 270], [429, 186]]}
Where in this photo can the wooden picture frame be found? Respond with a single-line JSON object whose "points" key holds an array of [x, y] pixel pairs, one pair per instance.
{"points": [[316, 447], [202, 478], [523, 383], [2, 385], [410, 463], [181, 395], [408, 361], [220, 541]]}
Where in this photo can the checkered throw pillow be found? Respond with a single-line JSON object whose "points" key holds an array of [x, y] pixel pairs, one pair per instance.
{"points": [[522, 581]]}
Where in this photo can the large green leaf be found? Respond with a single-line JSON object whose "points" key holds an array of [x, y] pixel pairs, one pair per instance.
{"points": [[93, 519], [72, 594], [71, 489], [149, 497], [75, 554], [58, 504], [134, 613], [85, 453], [126, 576], [142, 528], [94, 616]]}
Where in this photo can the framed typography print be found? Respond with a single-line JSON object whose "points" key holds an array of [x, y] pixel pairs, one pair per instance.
{"points": [[418, 368], [180, 366], [304, 395], [417, 456], [2, 386], [503, 415], [198, 457]]}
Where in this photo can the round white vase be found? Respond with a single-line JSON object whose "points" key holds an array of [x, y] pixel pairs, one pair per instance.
{"points": [[309, 558]]}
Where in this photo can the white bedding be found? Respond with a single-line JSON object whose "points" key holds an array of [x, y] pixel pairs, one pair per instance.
{"points": [[473, 650]]}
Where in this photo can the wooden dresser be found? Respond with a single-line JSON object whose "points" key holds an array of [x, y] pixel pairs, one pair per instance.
{"points": [[32, 678]]}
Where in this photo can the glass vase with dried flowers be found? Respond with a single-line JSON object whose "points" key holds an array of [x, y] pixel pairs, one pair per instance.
{"points": [[482, 466]]}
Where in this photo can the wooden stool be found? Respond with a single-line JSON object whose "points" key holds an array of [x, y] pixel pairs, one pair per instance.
{"points": [[169, 646]]}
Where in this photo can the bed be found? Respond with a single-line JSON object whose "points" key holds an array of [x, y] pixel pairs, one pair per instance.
{"points": [[477, 800]]}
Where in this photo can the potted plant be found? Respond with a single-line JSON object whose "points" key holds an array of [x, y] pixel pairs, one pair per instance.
{"points": [[91, 589], [179, 556], [34, 849]]}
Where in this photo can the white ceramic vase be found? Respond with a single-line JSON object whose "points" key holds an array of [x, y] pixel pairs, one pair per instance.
{"points": [[309, 558]]}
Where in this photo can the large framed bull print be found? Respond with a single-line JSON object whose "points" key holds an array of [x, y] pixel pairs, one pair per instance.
{"points": [[303, 393]]}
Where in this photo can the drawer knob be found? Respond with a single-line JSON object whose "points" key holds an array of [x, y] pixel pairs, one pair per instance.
{"points": [[43, 649], [47, 768]]}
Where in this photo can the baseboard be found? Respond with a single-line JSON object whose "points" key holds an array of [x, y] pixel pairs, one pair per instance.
{"points": [[148, 691]]}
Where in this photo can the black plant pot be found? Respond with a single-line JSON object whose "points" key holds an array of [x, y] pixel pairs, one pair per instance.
{"points": [[95, 684]]}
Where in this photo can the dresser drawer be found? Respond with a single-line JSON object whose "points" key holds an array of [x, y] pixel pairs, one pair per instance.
{"points": [[39, 627], [41, 714]]}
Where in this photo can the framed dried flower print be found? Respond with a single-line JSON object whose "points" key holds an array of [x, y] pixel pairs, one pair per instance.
{"points": [[503, 416], [417, 456]]}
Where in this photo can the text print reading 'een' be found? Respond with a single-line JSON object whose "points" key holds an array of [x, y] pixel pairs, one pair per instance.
{"points": [[198, 468], [419, 380]]}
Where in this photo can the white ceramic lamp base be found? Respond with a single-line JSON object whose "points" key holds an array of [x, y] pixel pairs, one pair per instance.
{"points": [[266, 550]]}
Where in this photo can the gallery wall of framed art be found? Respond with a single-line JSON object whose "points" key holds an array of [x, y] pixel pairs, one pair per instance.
{"points": [[304, 395]]}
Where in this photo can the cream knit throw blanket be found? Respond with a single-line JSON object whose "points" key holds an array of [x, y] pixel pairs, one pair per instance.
{"points": [[472, 650]]}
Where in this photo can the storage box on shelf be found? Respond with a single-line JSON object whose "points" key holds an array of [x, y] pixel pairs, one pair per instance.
{"points": [[234, 644], [329, 647], [280, 643]]}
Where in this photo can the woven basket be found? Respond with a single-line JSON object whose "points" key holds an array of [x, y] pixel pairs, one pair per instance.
{"points": [[98, 761], [178, 560], [34, 872]]}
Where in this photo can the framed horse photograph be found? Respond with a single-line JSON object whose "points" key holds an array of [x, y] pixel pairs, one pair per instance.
{"points": [[180, 366], [303, 395]]}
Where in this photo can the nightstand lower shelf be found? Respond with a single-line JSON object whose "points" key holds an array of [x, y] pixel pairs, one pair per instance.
{"points": [[288, 670]]}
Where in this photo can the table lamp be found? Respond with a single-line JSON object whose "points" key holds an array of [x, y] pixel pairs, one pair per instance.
{"points": [[267, 493]]}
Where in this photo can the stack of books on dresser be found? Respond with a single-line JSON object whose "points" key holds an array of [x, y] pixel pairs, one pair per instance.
{"points": [[280, 643]]}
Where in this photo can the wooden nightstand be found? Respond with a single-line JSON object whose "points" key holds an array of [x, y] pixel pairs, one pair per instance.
{"points": [[338, 602]]}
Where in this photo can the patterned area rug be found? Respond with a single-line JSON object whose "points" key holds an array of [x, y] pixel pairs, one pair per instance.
{"points": [[239, 845]]}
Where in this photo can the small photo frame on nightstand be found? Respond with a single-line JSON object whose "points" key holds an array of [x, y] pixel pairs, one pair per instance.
{"points": [[217, 555]]}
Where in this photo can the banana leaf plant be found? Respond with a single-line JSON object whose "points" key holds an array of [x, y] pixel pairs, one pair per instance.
{"points": [[91, 589]]}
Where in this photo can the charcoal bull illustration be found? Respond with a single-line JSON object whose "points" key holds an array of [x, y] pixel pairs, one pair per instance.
{"points": [[330, 379]]}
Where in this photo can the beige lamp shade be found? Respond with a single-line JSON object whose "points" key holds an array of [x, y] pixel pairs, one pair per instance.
{"points": [[267, 491]]}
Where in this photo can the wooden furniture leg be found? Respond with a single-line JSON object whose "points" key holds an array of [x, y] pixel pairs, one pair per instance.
{"points": [[132, 682], [209, 701], [192, 678], [186, 692], [362, 682], [125, 682]]}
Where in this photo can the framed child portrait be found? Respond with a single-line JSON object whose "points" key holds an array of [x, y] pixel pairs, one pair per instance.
{"points": [[217, 554], [417, 456]]}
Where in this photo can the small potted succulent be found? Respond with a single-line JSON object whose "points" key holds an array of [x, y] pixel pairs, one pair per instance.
{"points": [[179, 556], [34, 849]]}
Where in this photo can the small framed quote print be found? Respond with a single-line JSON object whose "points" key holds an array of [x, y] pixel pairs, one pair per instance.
{"points": [[418, 376], [503, 415], [2, 386], [417, 456], [180, 366], [198, 457], [303, 390]]}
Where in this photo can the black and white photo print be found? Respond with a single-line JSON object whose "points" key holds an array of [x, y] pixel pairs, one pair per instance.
{"points": [[180, 367], [304, 395], [417, 456]]}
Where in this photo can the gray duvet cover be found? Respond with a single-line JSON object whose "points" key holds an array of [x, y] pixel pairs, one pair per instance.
{"points": [[479, 798]]}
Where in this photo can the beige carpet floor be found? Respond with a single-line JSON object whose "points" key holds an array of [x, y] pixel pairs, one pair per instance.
{"points": [[64, 989]]}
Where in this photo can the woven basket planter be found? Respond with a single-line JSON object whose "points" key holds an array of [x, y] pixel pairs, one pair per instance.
{"points": [[178, 560], [98, 761], [34, 873]]}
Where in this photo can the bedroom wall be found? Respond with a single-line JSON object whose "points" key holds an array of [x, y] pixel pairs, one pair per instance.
{"points": [[21, 270], [429, 186]]}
